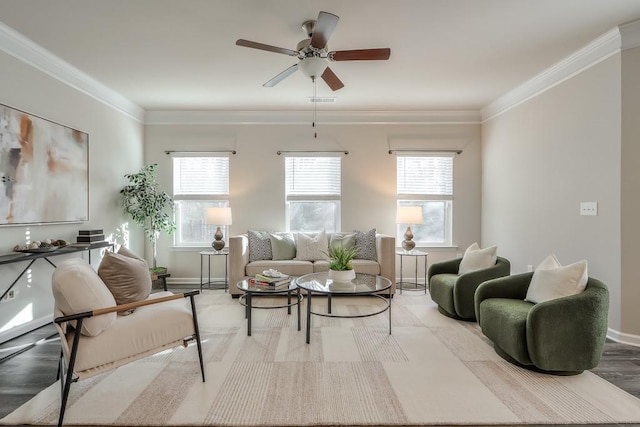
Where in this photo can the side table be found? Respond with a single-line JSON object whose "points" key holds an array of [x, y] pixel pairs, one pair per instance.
{"points": [[221, 284], [415, 286], [162, 277]]}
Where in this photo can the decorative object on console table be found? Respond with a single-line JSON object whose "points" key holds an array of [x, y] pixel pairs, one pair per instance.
{"points": [[90, 236], [409, 215], [218, 216]]}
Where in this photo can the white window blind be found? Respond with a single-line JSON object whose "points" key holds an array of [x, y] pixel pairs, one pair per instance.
{"points": [[200, 176], [428, 175], [313, 176]]}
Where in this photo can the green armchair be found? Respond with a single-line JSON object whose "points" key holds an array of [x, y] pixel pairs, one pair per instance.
{"points": [[453, 292], [563, 336]]}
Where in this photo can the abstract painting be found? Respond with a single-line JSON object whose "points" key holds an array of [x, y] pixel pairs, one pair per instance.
{"points": [[44, 170]]}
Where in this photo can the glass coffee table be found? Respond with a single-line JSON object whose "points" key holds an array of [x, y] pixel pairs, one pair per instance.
{"points": [[363, 284], [251, 289]]}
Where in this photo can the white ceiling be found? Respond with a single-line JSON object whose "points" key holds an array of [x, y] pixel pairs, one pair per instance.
{"points": [[445, 54]]}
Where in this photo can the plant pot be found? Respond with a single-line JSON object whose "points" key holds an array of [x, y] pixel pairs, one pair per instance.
{"points": [[342, 276]]}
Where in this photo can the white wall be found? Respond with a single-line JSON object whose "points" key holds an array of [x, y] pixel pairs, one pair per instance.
{"points": [[368, 176], [115, 148], [630, 193], [545, 156]]}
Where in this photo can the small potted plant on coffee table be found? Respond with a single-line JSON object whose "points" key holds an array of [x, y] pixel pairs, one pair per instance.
{"points": [[340, 266]]}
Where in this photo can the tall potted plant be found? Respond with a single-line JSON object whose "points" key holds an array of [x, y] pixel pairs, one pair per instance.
{"points": [[148, 205]]}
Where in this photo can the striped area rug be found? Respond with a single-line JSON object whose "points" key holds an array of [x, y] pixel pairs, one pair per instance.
{"points": [[431, 370]]}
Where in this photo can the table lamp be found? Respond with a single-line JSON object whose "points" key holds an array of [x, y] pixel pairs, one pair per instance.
{"points": [[218, 216], [409, 215]]}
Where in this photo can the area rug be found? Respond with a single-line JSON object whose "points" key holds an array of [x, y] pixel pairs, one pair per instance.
{"points": [[431, 370]]}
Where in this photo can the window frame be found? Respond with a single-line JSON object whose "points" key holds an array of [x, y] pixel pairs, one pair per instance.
{"points": [[209, 199], [420, 199], [333, 198]]}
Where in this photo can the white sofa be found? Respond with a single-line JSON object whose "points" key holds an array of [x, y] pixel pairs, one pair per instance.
{"points": [[240, 267]]}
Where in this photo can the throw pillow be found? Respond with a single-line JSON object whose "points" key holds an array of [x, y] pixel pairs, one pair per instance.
{"points": [[127, 278], [282, 246], [551, 280], [366, 245], [475, 258], [77, 289], [347, 241], [312, 248], [259, 245]]}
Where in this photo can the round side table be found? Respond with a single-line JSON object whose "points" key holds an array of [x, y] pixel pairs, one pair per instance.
{"points": [[413, 286]]}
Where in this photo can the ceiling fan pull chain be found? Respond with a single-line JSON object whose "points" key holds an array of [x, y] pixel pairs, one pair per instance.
{"points": [[315, 106]]}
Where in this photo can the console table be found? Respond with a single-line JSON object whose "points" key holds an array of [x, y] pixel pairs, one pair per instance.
{"points": [[15, 257]]}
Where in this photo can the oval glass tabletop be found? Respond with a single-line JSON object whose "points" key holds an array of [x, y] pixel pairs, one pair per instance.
{"points": [[362, 284]]}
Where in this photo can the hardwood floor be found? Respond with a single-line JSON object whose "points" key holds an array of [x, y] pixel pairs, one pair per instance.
{"points": [[29, 364]]}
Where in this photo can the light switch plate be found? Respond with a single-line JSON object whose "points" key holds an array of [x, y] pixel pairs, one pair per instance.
{"points": [[588, 208]]}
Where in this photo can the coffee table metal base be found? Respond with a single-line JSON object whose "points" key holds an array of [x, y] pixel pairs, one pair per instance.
{"points": [[385, 298], [247, 300]]}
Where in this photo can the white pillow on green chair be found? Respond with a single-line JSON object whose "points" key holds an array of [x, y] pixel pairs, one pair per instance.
{"points": [[475, 258], [551, 280]]}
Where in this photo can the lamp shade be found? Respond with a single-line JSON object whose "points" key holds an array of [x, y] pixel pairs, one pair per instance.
{"points": [[313, 66], [219, 216], [409, 215]]}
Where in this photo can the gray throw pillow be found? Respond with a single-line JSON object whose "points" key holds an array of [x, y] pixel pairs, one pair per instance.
{"points": [[366, 245], [259, 245], [282, 246]]}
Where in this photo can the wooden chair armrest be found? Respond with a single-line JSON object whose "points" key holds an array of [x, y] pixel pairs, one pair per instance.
{"points": [[124, 307]]}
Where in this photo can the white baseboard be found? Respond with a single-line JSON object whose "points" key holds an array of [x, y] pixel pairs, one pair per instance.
{"points": [[23, 329], [623, 338]]}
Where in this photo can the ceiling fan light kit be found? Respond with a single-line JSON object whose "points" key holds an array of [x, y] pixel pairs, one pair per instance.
{"points": [[313, 53]]}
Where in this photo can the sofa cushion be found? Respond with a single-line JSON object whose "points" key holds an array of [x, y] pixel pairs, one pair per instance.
{"points": [[551, 280], [366, 245], [283, 246], [312, 247], [290, 267], [504, 321], [77, 288], [127, 277], [259, 245], [475, 258]]}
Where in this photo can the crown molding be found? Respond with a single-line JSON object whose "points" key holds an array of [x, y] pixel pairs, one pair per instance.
{"points": [[305, 117], [595, 52], [630, 35], [22, 48]]}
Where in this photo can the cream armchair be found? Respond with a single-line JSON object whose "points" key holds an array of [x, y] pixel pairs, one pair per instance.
{"points": [[94, 338]]}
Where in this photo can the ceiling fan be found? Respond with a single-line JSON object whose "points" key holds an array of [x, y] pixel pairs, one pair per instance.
{"points": [[314, 55]]}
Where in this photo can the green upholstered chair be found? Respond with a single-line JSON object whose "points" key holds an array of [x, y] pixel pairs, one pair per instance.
{"points": [[563, 336], [453, 292]]}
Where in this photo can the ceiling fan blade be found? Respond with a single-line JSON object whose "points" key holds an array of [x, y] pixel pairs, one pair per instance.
{"points": [[323, 29], [283, 75], [261, 46], [331, 79], [360, 55]]}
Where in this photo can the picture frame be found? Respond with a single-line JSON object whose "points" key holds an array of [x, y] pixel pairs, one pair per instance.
{"points": [[44, 170]]}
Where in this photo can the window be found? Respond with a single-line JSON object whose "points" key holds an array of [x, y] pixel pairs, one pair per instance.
{"points": [[313, 193], [198, 183], [427, 181]]}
